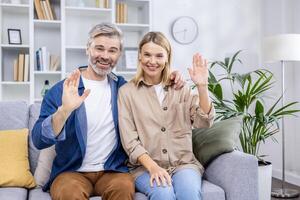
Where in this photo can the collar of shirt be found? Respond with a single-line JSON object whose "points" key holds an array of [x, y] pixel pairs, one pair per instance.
{"points": [[142, 81]]}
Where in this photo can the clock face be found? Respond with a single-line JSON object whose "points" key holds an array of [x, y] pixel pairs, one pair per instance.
{"points": [[184, 30]]}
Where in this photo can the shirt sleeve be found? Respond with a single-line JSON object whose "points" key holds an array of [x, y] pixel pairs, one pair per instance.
{"points": [[48, 132], [199, 118], [128, 132], [42, 133]]}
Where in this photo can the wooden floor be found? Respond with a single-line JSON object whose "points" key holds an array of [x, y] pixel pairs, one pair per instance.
{"points": [[277, 184]]}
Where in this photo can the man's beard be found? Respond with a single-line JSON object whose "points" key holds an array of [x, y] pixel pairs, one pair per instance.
{"points": [[100, 72]]}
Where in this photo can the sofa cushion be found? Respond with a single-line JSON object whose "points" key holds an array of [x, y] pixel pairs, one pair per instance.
{"points": [[208, 143], [34, 111], [14, 166], [14, 115], [44, 166], [211, 191], [38, 194], [13, 193]]}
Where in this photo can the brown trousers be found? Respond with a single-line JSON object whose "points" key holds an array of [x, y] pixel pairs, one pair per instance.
{"points": [[82, 185]]}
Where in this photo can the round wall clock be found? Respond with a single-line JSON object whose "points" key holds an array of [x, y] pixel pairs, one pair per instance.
{"points": [[184, 30]]}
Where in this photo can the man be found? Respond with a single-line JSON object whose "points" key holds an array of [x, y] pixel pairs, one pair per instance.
{"points": [[83, 125]]}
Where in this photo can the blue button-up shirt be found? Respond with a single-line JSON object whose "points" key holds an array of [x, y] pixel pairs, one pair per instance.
{"points": [[70, 144]]}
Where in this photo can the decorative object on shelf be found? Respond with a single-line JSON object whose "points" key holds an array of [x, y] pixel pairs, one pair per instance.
{"points": [[283, 47], [131, 56], [128, 61], [45, 89], [14, 36], [184, 30]]}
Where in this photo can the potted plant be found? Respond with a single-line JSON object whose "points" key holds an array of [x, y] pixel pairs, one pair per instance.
{"points": [[247, 99]]}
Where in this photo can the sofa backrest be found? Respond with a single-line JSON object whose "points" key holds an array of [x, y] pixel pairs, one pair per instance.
{"points": [[34, 111], [13, 115], [17, 115]]}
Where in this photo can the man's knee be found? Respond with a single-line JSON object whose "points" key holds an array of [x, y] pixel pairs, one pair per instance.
{"points": [[63, 188], [124, 184], [70, 194]]}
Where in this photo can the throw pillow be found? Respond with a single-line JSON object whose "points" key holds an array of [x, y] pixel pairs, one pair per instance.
{"points": [[14, 165], [208, 143], [44, 165]]}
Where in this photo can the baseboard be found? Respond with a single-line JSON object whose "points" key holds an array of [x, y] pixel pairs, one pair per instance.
{"points": [[289, 176]]}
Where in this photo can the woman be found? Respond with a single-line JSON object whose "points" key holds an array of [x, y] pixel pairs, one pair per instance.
{"points": [[156, 123]]}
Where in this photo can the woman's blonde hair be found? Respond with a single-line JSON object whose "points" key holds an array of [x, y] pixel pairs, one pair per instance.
{"points": [[159, 39]]}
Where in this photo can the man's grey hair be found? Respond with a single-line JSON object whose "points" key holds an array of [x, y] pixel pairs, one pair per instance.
{"points": [[105, 29]]}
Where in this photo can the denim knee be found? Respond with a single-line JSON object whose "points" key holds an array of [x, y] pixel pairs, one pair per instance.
{"points": [[189, 193], [162, 193]]}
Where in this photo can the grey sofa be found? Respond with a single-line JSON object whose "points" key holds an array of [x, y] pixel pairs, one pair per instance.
{"points": [[232, 176]]}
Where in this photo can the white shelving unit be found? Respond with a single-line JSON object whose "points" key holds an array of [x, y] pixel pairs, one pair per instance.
{"points": [[66, 37]]}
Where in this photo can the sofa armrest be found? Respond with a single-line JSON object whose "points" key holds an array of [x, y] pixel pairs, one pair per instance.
{"points": [[237, 173]]}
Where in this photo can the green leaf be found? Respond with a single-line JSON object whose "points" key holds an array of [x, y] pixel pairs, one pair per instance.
{"points": [[212, 79], [233, 60], [218, 91], [259, 108]]}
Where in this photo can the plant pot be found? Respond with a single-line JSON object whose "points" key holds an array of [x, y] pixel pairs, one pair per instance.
{"points": [[264, 180]]}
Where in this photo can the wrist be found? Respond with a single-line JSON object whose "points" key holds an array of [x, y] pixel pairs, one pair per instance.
{"points": [[152, 167], [64, 111], [202, 86]]}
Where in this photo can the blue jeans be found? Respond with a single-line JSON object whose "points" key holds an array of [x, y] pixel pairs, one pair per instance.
{"points": [[186, 185]]}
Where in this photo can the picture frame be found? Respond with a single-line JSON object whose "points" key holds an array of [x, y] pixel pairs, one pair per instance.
{"points": [[14, 36], [129, 59]]}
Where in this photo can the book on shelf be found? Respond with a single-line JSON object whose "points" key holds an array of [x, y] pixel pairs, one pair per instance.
{"points": [[38, 60], [106, 3], [50, 10], [15, 69], [102, 3], [21, 67], [121, 12], [44, 10], [26, 68], [125, 9], [54, 62], [118, 12], [38, 9], [46, 61]]}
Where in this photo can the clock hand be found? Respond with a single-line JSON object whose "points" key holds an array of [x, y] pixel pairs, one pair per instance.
{"points": [[184, 33], [180, 31]]}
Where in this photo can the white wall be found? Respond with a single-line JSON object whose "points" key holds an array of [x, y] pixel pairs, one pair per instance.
{"points": [[224, 28]]}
